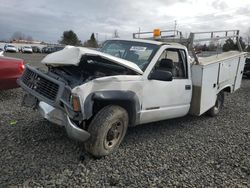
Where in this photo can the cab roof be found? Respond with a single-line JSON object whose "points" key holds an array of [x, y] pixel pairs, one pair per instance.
{"points": [[159, 43]]}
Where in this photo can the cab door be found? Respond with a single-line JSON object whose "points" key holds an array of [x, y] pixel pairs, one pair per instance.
{"points": [[167, 99]]}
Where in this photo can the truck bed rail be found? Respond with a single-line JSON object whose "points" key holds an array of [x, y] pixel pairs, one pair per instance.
{"points": [[176, 36]]}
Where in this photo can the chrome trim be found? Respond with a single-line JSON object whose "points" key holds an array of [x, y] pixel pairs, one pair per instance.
{"points": [[58, 117], [75, 132], [52, 114]]}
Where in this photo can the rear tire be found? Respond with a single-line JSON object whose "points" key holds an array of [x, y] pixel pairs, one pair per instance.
{"points": [[214, 111], [107, 130]]}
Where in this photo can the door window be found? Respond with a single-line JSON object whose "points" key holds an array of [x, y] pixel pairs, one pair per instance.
{"points": [[175, 61]]}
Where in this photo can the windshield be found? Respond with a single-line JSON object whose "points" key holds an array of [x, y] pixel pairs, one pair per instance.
{"points": [[137, 52], [11, 46]]}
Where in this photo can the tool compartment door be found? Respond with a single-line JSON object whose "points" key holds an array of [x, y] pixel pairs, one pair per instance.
{"points": [[204, 80], [239, 74]]}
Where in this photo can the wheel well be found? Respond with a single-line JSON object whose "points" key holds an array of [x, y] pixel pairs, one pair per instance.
{"points": [[126, 104], [227, 89]]}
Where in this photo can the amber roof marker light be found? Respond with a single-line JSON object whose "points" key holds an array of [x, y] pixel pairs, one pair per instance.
{"points": [[157, 33]]}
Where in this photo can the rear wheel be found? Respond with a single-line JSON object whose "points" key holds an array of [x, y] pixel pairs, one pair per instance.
{"points": [[107, 130], [214, 111]]}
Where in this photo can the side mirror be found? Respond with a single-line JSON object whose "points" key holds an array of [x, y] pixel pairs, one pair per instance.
{"points": [[161, 75]]}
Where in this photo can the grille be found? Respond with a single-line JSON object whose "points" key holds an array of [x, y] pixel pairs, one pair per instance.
{"points": [[40, 84]]}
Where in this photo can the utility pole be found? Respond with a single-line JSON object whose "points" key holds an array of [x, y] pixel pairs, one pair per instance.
{"points": [[175, 25], [139, 32], [96, 37]]}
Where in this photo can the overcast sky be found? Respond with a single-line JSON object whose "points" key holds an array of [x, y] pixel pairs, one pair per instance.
{"points": [[47, 19]]}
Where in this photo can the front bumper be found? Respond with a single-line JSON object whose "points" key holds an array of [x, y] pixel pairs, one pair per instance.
{"points": [[27, 51], [75, 132], [11, 50], [58, 117], [52, 114]]}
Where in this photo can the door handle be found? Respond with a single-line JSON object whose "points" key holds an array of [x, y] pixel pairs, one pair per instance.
{"points": [[187, 87]]}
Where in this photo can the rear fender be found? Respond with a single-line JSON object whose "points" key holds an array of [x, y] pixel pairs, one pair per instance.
{"points": [[227, 88]]}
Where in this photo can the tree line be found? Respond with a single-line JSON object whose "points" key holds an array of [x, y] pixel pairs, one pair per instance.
{"points": [[231, 45], [21, 36], [70, 38], [228, 45]]}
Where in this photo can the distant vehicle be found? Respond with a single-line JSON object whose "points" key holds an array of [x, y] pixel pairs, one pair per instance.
{"points": [[246, 71], [10, 70], [43, 49], [36, 49], [48, 50], [10, 48], [57, 48], [27, 49]]}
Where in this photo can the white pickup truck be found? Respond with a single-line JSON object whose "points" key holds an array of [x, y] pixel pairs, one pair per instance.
{"points": [[96, 95]]}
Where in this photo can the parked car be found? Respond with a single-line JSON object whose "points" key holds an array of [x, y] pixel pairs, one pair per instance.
{"points": [[27, 49], [96, 95], [43, 49], [10, 70], [247, 67], [49, 50], [1, 49], [10, 48], [56, 48], [46, 50], [36, 49]]}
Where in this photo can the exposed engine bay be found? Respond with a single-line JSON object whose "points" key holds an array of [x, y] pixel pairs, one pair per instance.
{"points": [[89, 68]]}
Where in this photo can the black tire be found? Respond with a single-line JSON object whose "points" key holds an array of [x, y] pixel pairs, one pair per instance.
{"points": [[215, 110], [107, 130]]}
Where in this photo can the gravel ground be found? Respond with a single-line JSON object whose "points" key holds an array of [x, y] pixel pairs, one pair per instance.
{"points": [[184, 152]]}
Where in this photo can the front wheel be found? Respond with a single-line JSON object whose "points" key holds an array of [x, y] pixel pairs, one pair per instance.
{"points": [[214, 111], [107, 130]]}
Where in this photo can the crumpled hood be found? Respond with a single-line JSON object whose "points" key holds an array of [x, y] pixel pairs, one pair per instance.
{"points": [[71, 55]]}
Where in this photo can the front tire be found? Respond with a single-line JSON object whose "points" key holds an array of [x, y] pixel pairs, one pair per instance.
{"points": [[107, 131], [214, 111]]}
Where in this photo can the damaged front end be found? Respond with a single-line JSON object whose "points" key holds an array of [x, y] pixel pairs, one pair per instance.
{"points": [[52, 97], [51, 91]]}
